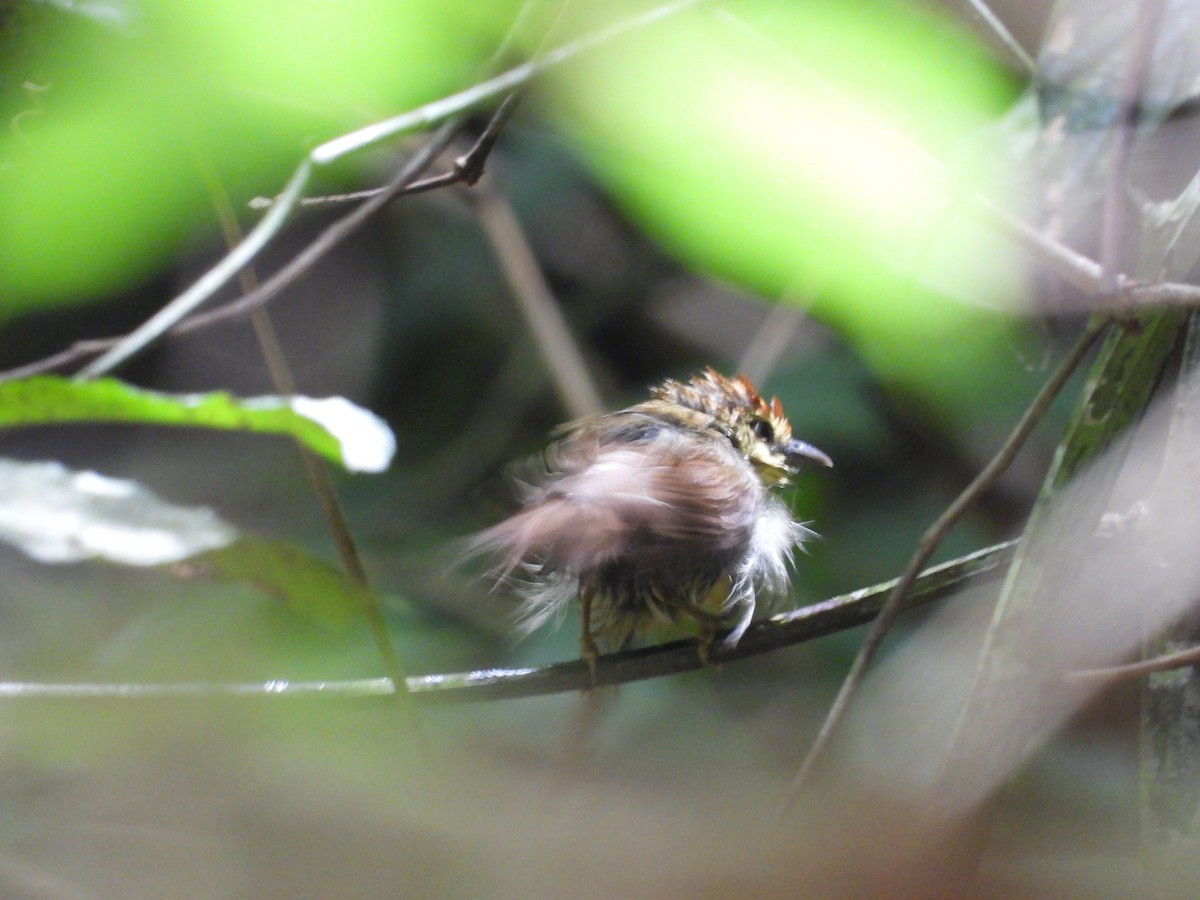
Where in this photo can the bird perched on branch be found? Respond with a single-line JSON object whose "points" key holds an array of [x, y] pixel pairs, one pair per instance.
{"points": [[658, 514]]}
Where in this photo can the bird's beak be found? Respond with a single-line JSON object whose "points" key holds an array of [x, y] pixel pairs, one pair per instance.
{"points": [[795, 450]]}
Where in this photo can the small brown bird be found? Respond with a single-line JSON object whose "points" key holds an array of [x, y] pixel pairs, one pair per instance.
{"points": [[656, 515]]}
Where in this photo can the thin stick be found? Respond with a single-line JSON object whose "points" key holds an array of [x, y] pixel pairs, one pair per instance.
{"points": [[930, 541], [478, 94], [1133, 77], [1002, 37], [1180, 659], [466, 167], [789, 629], [208, 284], [537, 304], [315, 470]]}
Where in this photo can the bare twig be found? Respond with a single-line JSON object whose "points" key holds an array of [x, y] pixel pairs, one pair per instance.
{"points": [[1085, 273], [538, 305], [1001, 37], [208, 284], [808, 623], [933, 537], [770, 341], [315, 470], [1133, 77], [467, 169], [479, 94], [1180, 659]]}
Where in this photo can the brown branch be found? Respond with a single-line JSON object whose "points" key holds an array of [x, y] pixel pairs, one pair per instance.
{"points": [[326, 241], [315, 470], [805, 624], [1178, 660], [540, 309], [1112, 229]]}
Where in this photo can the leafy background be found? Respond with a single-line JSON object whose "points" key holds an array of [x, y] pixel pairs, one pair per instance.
{"points": [[785, 188]]}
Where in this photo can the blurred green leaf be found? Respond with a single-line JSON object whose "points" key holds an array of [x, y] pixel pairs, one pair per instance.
{"points": [[333, 426], [103, 179], [312, 588], [797, 149]]}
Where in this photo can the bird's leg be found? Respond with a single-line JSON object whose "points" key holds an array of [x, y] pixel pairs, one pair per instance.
{"points": [[587, 644], [704, 640], [706, 621]]}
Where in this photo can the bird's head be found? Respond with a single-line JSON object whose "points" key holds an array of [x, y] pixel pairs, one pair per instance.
{"points": [[758, 429]]}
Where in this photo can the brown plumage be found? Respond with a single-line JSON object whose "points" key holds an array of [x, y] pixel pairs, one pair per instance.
{"points": [[657, 514]]}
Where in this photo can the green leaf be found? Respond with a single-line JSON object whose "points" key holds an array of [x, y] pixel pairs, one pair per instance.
{"points": [[333, 426], [100, 173], [797, 150], [311, 587]]}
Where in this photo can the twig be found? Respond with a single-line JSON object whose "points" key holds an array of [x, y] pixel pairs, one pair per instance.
{"points": [[315, 470], [1178, 660], [808, 623], [208, 284], [326, 240], [467, 169], [477, 95], [1112, 231], [933, 537], [537, 304], [331, 151], [1002, 37], [1085, 273]]}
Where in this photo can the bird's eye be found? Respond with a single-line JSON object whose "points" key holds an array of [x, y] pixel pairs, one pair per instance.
{"points": [[762, 430]]}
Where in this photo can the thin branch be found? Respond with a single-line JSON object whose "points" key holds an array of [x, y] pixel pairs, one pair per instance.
{"points": [[1180, 659], [541, 311], [63, 359], [477, 95], [208, 284], [1001, 37], [933, 537], [417, 187], [467, 169], [330, 151], [1080, 271], [789, 629], [1085, 273], [316, 471], [1133, 77]]}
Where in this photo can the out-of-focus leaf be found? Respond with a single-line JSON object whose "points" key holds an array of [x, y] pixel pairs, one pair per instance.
{"points": [[55, 515], [797, 149], [1086, 53], [332, 426], [311, 587], [100, 176], [1171, 234], [1060, 140]]}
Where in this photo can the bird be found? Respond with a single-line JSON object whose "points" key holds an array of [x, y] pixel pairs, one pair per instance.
{"points": [[657, 516]]}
